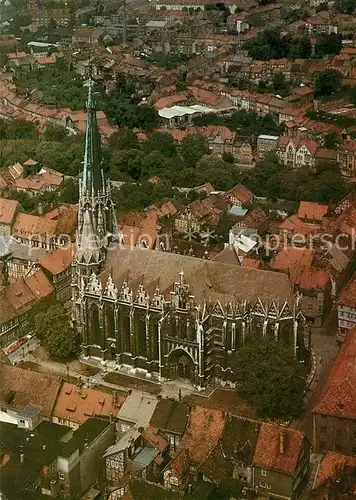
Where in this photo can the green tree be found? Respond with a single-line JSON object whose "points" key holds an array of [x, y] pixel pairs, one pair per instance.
{"points": [[154, 164], [124, 139], [161, 141], [328, 44], [128, 161], [345, 6], [69, 192], [54, 133], [269, 377], [327, 83], [220, 174], [193, 148], [331, 140], [50, 321]]}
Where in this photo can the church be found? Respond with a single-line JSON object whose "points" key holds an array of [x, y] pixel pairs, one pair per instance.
{"points": [[162, 314]]}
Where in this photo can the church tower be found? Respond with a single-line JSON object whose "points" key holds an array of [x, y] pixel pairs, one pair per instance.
{"points": [[97, 225]]}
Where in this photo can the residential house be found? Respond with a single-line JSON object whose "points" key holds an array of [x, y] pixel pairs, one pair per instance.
{"points": [[335, 476], [346, 308], [280, 462], [136, 454], [45, 180], [171, 417], [136, 411], [232, 457], [296, 153], [87, 35], [53, 460], [256, 219], [80, 456], [203, 433], [15, 303], [334, 415], [311, 282], [20, 260], [57, 266], [75, 404], [239, 195], [8, 212], [200, 213], [20, 389], [266, 144], [346, 158], [312, 213]]}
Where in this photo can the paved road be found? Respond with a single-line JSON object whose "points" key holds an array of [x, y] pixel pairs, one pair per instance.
{"points": [[22, 352]]}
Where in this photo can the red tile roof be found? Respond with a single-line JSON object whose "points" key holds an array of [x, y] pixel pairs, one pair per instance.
{"points": [[7, 210], [338, 397], [331, 467], [201, 436], [348, 295], [58, 261], [267, 452], [311, 211], [240, 192], [78, 404]]}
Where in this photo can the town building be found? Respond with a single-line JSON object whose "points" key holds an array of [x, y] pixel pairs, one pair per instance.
{"points": [[8, 212], [346, 308], [334, 415], [75, 404]]}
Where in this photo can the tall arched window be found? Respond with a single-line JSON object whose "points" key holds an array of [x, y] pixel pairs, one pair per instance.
{"points": [[109, 320], [96, 336]]}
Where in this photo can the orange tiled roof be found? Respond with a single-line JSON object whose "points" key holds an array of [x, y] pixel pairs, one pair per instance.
{"points": [[267, 452], [39, 285], [348, 295], [338, 397], [155, 438], [33, 226], [201, 436], [332, 465], [78, 404], [240, 192], [7, 210], [59, 260], [312, 211]]}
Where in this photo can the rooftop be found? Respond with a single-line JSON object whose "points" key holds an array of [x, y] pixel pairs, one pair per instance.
{"points": [[338, 397], [8, 210], [39, 449], [348, 295], [138, 409], [270, 454], [78, 404], [331, 466], [171, 416], [20, 388]]}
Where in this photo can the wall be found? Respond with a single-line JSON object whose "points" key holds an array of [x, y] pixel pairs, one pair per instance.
{"points": [[275, 483], [91, 459], [334, 434]]}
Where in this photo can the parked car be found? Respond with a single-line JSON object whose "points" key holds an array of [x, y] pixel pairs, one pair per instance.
{"points": [[16, 345]]}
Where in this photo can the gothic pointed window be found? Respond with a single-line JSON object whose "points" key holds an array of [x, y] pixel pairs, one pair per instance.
{"points": [[95, 332], [109, 321]]}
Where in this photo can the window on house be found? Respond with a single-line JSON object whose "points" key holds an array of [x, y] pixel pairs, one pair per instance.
{"points": [[322, 445], [322, 430], [61, 475], [264, 472], [263, 484], [22, 421]]}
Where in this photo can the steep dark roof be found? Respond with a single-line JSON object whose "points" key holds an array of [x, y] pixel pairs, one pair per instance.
{"points": [[171, 416], [208, 280], [39, 447], [85, 434]]}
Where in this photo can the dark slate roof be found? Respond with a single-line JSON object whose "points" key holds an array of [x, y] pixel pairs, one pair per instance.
{"points": [[208, 280], [237, 443], [86, 433], [13, 441], [171, 416]]}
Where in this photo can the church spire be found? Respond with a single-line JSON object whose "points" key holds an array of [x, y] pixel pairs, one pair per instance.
{"points": [[93, 175], [96, 217]]}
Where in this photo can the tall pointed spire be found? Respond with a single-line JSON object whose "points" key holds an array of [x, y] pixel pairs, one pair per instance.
{"points": [[93, 176], [97, 224]]}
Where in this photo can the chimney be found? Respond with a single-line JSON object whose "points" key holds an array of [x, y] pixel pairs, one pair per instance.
{"points": [[40, 209], [281, 443], [22, 457]]}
